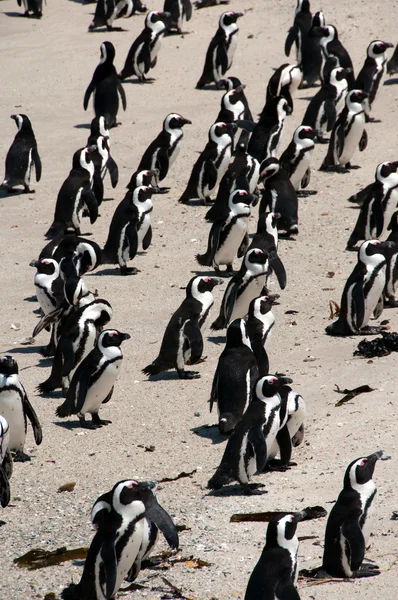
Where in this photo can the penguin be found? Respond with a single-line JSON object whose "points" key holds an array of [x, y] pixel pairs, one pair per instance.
{"points": [[246, 452], [276, 572], [106, 11], [5, 463], [179, 10], [284, 82], [221, 50], [233, 108], [205, 3], [103, 162], [259, 321], [266, 134], [49, 284], [248, 283], [76, 342], [299, 32], [143, 53], [348, 526], [87, 252], [163, 151], [16, 409], [76, 196], [378, 207], [392, 264], [308, 53], [296, 159], [327, 104], [145, 178], [131, 8], [33, 8], [182, 341], [279, 195], [106, 87], [372, 72], [120, 521], [233, 83], [234, 377], [130, 229], [212, 164], [363, 292], [93, 381], [227, 233], [21, 157], [392, 64], [348, 133], [266, 238], [330, 45]]}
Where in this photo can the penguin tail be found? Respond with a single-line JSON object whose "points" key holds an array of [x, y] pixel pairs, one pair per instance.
{"points": [[49, 385], [219, 323], [202, 82], [221, 477], [64, 410], [226, 423], [185, 198], [153, 369], [203, 259], [54, 230], [74, 592]]}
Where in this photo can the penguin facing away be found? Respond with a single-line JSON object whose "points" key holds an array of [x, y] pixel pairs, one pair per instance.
{"points": [[284, 82], [103, 163], [87, 251], [259, 322], [106, 11], [179, 10], [21, 157], [299, 31], [392, 64], [330, 45], [106, 87], [348, 526], [16, 409], [182, 341], [266, 238], [5, 463], [279, 195]]}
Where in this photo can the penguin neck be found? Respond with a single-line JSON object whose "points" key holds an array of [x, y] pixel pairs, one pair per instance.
{"points": [[230, 30], [389, 182]]}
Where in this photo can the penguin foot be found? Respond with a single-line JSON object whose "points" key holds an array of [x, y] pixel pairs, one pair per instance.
{"points": [[350, 166], [251, 489], [391, 302], [47, 351], [98, 422], [20, 456], [226, 273], [373, 120], [276, 465], [368, 330], [27, 190], [129, 270], [367, 570], [85, 424], [188, 374]]}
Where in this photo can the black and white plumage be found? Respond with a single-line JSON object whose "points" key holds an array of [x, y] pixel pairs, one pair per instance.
{"points": [[106, 87], [308, 54], [291, 429], [275, 575], [21, 157], [221, 49], [212, 163], [284, 82], [103, 163], [140, 178], [233, 108], [296, 159], [182, 341], [392, 64], [106, 11], [371, 74], [179, 10], [363, 292], [75, 196], [330, 45], [228, 232], [130, 229], [49, 284], [234, 378], [16, 408], [33, 8], [299, 31], [379, 204], [120, 517], [348, 527], [143, 53], [5, 462], [248, 283], [259, 322], [93, 381], [232, 83], [86, 252], [279, 195], [348, 134], [392, 264], [266, 238]]}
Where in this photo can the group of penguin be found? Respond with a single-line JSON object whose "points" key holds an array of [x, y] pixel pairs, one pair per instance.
{"points": [[262, 415]]}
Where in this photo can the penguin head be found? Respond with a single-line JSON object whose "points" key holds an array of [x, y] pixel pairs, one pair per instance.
{"points": [[385, 169], [256, 260], [283, 108], [318, 19], [131, 494], [112, 337], [102, 144], [339, 74], [325, 32], [377, 48], [82, 158], [107, 50], [268, 168], [371, 252], [281, 532], [237, 334], [198, 286], [175, 121], [268, 386], [302, 6], [99, 127], [230, 83], [8, 366], [46, 266], [303, 132], [142, 196], [360, 471], [229, 18], [262, 304], [393, 224], [356, 97], [219, 130], [139, 178], [87, 257], [158, 21], [22, 122], [241, 197]]}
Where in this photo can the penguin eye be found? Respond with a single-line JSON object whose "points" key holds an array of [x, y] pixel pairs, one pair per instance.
{"points": [[363, 462]]}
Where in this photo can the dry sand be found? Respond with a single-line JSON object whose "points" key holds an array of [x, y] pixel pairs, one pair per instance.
{"points": [[46, 67]]}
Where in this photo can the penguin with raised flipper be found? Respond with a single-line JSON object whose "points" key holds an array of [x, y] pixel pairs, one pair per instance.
{"points": [[106, 87], [179, 10], [93, 381], [16, 409], [276, 572], [296, 159], [227, 233], [284, 82], [120, 521], [348, 526], [143, 54], [182, 341], [21, 157], [266, 238], [330, 45], [5, 462], [348, 134], [248, 283], [372, 72], [221, 50], [259, 322], [392, 264], [234, 377], [363, 292], [279, 195]]}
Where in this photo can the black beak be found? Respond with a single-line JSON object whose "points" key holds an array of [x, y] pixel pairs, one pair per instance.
{"points": [[285, 380], [34, 263], [127, 336]]}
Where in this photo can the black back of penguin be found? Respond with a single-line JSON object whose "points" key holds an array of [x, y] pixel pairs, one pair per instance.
{"points": [[279, 195], [21, 156], [179, 10], [265, 137], [259, 323]]}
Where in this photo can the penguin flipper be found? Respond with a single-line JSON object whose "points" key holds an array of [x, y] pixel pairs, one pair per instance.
{"points": [[65, 346], [359, 303], [210, 174], [214, 390], [87, 95], [33, 418], [187, 8], [285, 446], [162, 163], [363, 142], [306, 178], [230, 301], [89, 199], [157, 514], [285, 588], [4, 488], [83, 377], [256, 438], [292, 37], [278, 268], [244, 246], [109, 396], [146, 242], [37, 163], [222, 58], [193, 336], [246, 125], [48, 320], [206, 260], [108, 555], [331, 115], [145, 57], [354, 539], [378, 216], [122, 93], [339, 140], [132, 237], [113, 171]]}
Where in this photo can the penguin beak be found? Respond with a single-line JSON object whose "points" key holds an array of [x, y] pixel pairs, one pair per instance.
{"points": [[300, 516], [254, 199], [185, 121], [239, 14], [240, 88], [13, 117], [273, 297], [289, 110], [34, 263], [127, 336], [223, 84], [285, 380], [372, 458], [145, 484], [388, 45]]}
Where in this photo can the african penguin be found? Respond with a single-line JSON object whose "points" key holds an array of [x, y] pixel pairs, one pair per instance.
{"points": [[87, 251], [145, 178], [266, 238], [259, 321], [392, 65], [330, 45], [21, 157], [33, 8], [296, 159], [103, 163], [279, 195], [284, 82], [106, 11], [179, 10], [5, 462], [299, 31], [371, 74]]}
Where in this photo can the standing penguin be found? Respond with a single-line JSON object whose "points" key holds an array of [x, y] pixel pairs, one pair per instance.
{"points": [[94, 379], [143, 54], [182, 341], [363, 292], [16, 408], [259, 322], [266, 238], [298, 33], [307, 50], [120, 521], [130, 229], [103, 163], [106, 11], [234, 377], [33, 8], [163, 151], [233, 107], [371, 74], [76, 196], [276, 572], [284, 82], [379, 205], [296, 158], [212, 164], [179, 10], [21, 157], [49, 284], [5, 462], [221, 50], [330, 45], [227, 233], [279, 195], [392, 264], [348, 134], [106, 87], [248, 283], [232, 83], [348, 527]]}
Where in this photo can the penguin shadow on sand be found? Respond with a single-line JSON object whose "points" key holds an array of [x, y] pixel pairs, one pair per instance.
{"points": [[210, 432], [13, 192], [82, 126], [218, 340], [392, 81], [234, 490], [132, 79], [71, 425]]}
